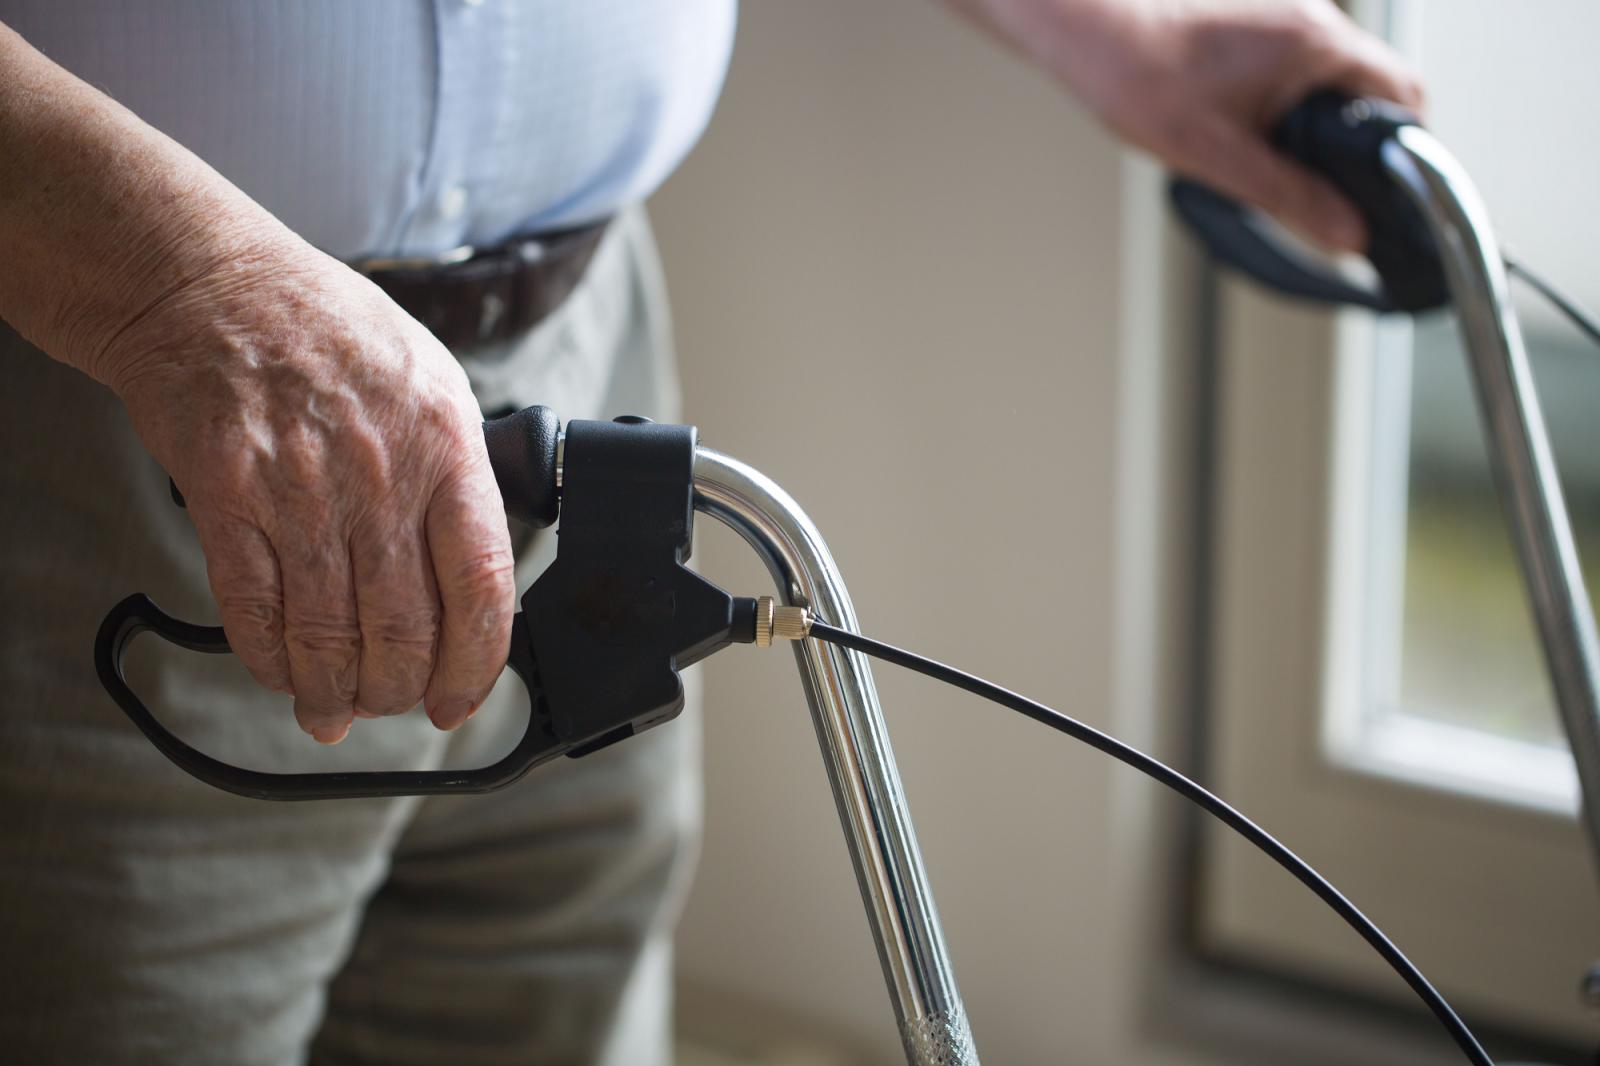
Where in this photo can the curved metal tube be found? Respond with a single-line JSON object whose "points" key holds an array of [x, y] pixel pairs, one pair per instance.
{"points": [[1524, 467], [861, 769]]}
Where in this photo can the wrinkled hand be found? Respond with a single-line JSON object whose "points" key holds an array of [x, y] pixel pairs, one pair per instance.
{"points": [[332, 459], [1199, 82]]}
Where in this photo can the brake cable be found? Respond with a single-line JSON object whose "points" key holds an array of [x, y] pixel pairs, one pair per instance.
{"points": [[1581, 318]]}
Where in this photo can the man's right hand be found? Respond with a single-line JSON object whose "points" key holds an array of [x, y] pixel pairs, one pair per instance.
{"points": [[329, 448], [331, 455]]}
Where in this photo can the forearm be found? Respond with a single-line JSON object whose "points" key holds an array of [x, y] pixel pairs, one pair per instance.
{"points": [[102, 215], [1198, 83]]}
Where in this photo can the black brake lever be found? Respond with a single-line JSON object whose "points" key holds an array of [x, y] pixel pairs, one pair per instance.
{"points": [[1342, 138], [601, 635], [138, 614]]}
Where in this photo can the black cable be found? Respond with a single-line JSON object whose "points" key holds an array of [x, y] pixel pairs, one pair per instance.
{"points": [[1563, 303], [1188, 790]]}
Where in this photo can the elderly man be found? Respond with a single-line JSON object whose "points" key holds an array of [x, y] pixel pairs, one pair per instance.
{"points": [[290, 254]]}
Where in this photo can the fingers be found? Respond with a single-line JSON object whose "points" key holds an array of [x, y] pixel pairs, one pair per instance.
{"points": [[321, 632], [294, 626], [370, 627], [397, 605], [1363, 65], [1240, 163], [243, 572], [470, 547], [1321, 48]]}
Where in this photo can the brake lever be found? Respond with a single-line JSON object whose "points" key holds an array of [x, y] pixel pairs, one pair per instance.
{"points": [[138, 614], [602, 633], [1341, 138]]}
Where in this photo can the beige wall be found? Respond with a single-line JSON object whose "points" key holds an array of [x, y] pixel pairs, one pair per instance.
{"points": [[894, 261]]}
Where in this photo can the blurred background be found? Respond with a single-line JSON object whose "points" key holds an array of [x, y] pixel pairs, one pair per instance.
{"points": [[923, 291], [894, 262]]}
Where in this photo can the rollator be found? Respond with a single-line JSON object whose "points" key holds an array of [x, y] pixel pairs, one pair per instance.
{"points": [[604, 632]]}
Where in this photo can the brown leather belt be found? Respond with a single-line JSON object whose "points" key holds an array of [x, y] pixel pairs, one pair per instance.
{"points": [[474, 297]]}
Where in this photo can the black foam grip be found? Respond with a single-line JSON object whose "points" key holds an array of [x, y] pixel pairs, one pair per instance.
{"points": [[1244, 240], [522, 450], [1342, 139]]}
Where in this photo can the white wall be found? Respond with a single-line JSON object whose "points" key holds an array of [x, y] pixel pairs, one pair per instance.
{"points": [[895, 268], [1515, 93]]}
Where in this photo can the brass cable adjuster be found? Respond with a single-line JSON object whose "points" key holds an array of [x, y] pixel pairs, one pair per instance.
{"points": [[784, 623]]}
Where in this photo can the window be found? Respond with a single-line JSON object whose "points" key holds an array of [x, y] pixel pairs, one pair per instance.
{"points": [[1379, 698]]}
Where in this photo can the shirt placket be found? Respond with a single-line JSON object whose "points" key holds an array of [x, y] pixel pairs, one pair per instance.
{"points": [[470, 37]]}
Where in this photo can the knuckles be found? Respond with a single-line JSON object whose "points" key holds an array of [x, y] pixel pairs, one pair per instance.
{"points": [[329, 640], [402, 641], [255, 624], [486, 584]]}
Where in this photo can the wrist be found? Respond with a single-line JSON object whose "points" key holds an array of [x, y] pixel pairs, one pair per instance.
{"points": [[110, 216], [176, 283]]}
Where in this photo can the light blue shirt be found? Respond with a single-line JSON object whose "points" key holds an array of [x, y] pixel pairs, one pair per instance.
{"points": [[408, 127]]}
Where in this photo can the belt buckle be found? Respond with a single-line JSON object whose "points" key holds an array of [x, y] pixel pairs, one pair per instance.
{"points": [[449, 257]]}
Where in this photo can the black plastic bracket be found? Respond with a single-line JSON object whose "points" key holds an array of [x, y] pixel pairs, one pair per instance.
{"points": [[618, 613]]}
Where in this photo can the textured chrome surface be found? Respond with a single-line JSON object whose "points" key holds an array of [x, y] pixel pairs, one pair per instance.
{"points": [[943, 1040], [1519, 446], [860, 763]]}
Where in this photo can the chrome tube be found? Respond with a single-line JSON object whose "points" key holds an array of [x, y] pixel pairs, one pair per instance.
{"points": [[861, 769], [1519, 446]]}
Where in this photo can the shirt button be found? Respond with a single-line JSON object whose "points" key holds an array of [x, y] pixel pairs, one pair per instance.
{"points": [[452, 203]]}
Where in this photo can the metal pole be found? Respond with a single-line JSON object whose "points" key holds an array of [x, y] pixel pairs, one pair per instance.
{"points": [[861, 769], [1519, 446]]}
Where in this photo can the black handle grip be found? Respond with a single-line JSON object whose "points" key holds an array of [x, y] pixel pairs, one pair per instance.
{"points": [[1342, 138], [522, 450], [137, 614]]}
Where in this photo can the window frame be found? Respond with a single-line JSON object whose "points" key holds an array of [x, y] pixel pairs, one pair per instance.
{"points": [[1291, 586]]}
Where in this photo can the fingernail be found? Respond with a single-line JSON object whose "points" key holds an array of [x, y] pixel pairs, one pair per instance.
{"points": [[330, 734], [451, 715], [364, 714]]}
